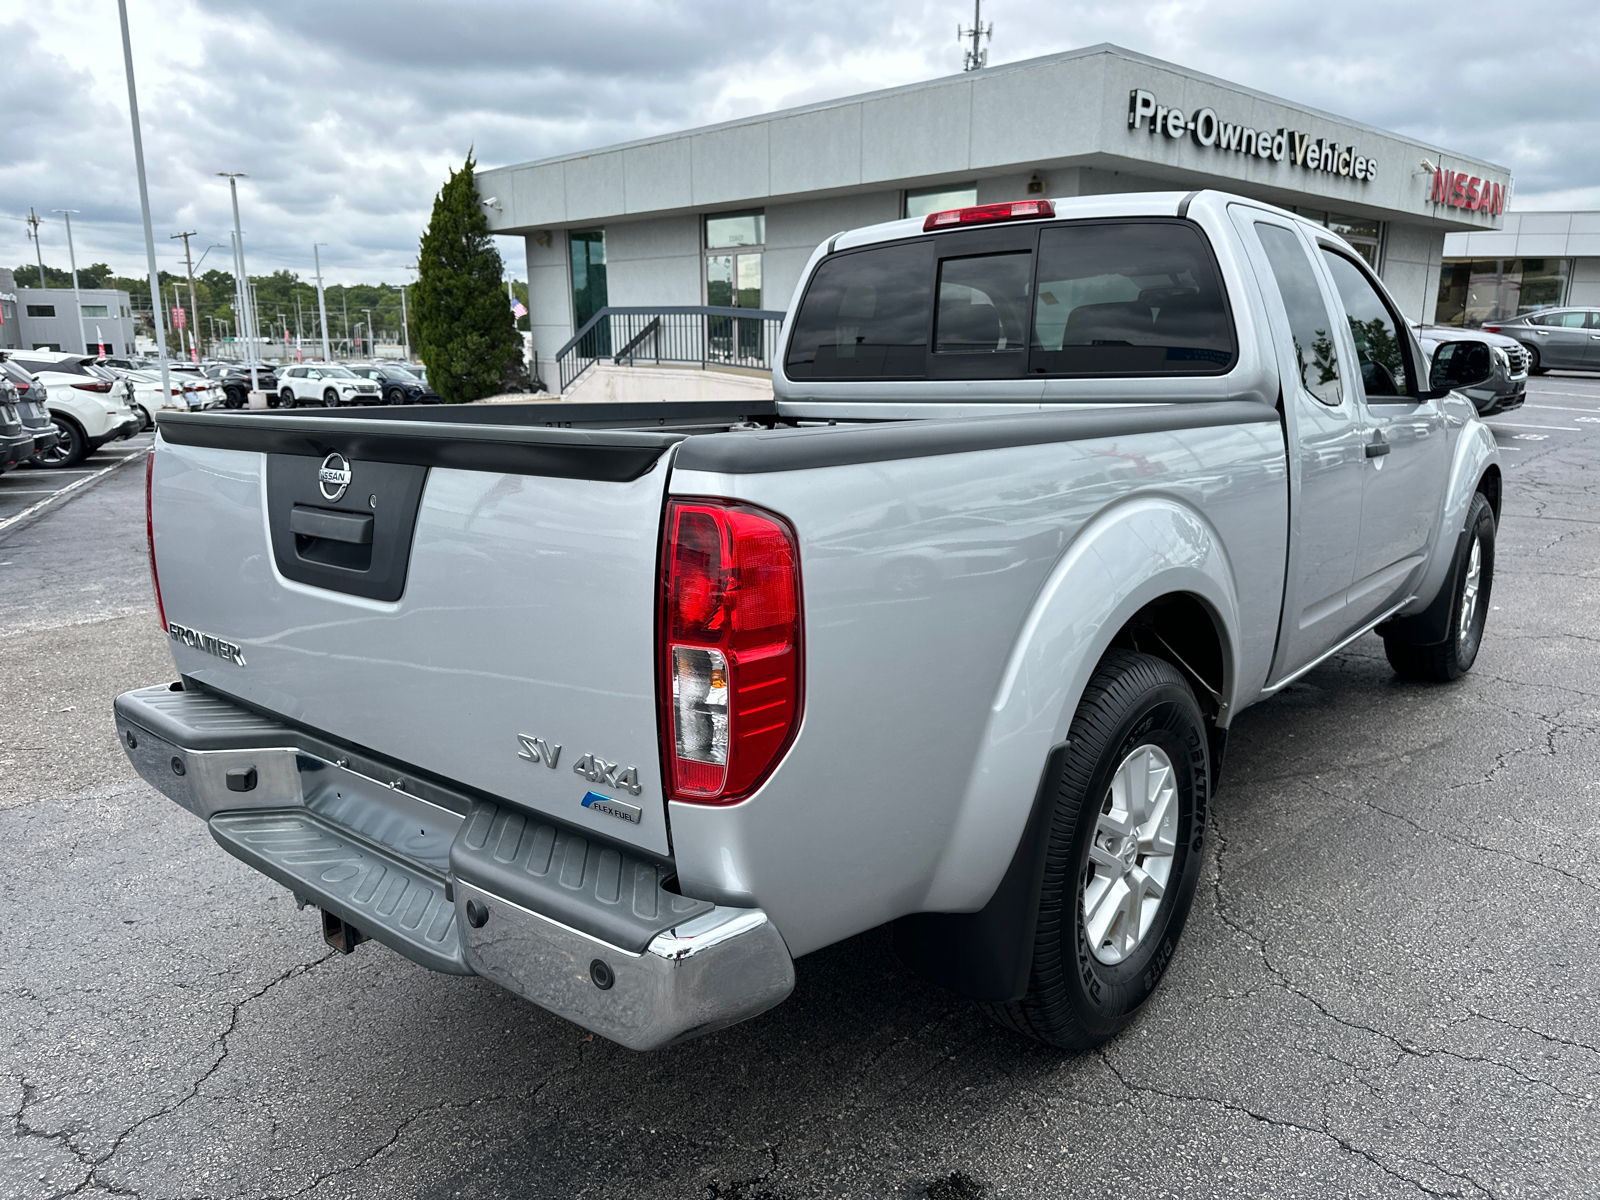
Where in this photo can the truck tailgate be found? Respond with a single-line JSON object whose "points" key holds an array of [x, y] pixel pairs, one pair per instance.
{"points": [[504, 641]]}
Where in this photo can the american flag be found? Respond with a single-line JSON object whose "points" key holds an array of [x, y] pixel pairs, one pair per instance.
{"points": [[518, 309]]}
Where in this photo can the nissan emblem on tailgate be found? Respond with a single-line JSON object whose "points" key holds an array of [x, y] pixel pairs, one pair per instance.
{"points": [[334, 477]]}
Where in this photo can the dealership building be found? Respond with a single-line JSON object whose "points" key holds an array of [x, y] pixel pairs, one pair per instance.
{"points": [[728, 215], [41, 318], [1535, 260]]}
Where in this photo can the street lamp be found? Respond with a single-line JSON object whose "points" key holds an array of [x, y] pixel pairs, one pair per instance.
{"points": [[233, 178], [72, 257], [322, 305], [372, 347], [144, 205]]}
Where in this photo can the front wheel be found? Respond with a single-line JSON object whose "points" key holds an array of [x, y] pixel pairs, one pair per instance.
{"points": [[1472, 580], [330, 398], [1123, 858]]}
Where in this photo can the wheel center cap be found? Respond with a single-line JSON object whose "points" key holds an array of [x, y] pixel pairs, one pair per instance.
{"points": [[1130, 851]]}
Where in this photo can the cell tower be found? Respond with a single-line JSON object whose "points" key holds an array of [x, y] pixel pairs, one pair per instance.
{"points": [[976, 57]]}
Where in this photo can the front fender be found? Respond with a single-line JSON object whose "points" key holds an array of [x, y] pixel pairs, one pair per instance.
{"points": [[1475, 452], [1129, 555]]}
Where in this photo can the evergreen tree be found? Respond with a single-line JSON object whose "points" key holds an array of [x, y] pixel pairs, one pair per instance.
{"points": [[462, 318]]}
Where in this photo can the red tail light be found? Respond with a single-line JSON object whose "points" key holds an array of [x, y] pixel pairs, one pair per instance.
{"points": [[150, 535], [729, 648], [1491, 329], [98, 385], [984, 214]]}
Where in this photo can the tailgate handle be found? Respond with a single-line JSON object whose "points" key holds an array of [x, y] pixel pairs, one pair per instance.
{"points": [[355, 528]]}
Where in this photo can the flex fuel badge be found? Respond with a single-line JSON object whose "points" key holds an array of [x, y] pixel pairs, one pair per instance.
{"points": [[613, 808]]}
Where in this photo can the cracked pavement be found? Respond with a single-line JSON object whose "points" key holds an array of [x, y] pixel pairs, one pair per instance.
{"points": [[1389, 984]]}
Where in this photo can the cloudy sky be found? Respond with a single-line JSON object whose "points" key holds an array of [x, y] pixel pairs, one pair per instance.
{"points": [[347, 115]]}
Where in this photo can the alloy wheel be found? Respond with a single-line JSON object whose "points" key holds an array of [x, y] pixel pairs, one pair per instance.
{"points": [[1131, 856]]}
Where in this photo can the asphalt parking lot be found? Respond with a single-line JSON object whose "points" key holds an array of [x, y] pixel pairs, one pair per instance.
{"points": [[28, 491], [1389, 985]]}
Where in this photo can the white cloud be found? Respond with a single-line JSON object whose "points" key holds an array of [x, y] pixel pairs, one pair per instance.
{"points": [[348, 116]]}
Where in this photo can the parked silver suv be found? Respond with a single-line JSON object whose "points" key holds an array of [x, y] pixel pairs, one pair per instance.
{"points": [[1506, 387]]}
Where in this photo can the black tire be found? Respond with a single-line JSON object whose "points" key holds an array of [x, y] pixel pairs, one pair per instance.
{"points": [[1075, 1000], [233, 398], [145, 419], [330, 399], [69, 451], [1533, 361], [1469, 608], [286, 399]]}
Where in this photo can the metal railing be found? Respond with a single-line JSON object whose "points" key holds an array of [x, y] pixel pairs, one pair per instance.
{"points": [[724, 337]]}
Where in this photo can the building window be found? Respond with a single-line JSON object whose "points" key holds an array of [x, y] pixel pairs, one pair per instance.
{"points": [[41, 310], [588, 252], [124, 312], [734, 242], [95, 310], [1364, 236], [919, 202], [1472, 291]]}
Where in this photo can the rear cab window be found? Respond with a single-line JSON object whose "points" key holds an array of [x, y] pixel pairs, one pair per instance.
{"points": [[1099, 298]]}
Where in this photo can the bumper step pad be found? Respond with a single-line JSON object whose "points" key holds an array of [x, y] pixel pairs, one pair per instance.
{"points": [[383, 896]]}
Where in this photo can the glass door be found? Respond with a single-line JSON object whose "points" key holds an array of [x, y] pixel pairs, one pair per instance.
{"points": [[588, 253], [734, 242]]}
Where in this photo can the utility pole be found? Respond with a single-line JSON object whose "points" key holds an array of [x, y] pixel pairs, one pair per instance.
{"points": [[33, 232], [72, 257], [372, 346], [144, 203], [194, 307], [344, 302], [233, 178], [975, 59]]}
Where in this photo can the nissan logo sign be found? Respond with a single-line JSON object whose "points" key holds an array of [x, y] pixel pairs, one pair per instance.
{"points": [[334, 477]]}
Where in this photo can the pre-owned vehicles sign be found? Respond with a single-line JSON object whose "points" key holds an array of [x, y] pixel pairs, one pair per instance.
{"points": [[1211, 131]]}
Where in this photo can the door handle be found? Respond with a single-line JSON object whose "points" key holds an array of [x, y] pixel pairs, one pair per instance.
{"points": [[1378, 448]]}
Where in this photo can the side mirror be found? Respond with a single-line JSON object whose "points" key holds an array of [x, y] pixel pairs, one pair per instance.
{"points": [[1459, 365]]}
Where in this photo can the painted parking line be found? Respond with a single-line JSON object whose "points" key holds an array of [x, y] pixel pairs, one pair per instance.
{"points": [[1579, 395], [1520, 425], [71, 487], [1560, 408]]}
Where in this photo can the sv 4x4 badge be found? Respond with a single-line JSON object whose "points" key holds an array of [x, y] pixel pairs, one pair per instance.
{"points": [[591, 766]]}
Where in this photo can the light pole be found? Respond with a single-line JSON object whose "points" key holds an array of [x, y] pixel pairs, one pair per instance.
{"points": [[72, 257], [233, 178], [322, 307], [144, 204], [194, 307], [405, 322], [372, 347]]}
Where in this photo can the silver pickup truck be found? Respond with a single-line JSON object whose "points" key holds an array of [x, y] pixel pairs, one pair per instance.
{"points": [[627, 707]]}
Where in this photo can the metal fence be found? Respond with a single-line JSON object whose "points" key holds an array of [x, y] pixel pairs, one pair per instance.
{"points": [[730, 337]]}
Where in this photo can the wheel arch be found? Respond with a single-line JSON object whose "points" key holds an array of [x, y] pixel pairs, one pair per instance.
{"points": [[1150, 574]]}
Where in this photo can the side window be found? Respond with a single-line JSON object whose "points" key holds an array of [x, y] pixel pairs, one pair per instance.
{"points": [[983, 303], [1129, 298], [1380, 339], [865, 316], [1568, 320], [1594, 319], [1309, 322]]}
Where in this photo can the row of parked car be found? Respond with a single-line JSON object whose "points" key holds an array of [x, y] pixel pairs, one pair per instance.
{"points": [[57, 408]]}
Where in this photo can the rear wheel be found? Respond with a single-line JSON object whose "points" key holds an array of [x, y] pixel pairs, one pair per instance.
{"points": [[145, 419], [1472, 580], [286, 399], [70, 449], [1124, 854], [1533, 361]]}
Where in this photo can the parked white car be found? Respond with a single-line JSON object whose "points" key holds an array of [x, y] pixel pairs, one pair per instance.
{"points": [[87, 404], [148, 398], [327, 385]]}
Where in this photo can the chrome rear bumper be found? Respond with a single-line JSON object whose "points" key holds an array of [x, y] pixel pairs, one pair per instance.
{"points": [[424, 870]]}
